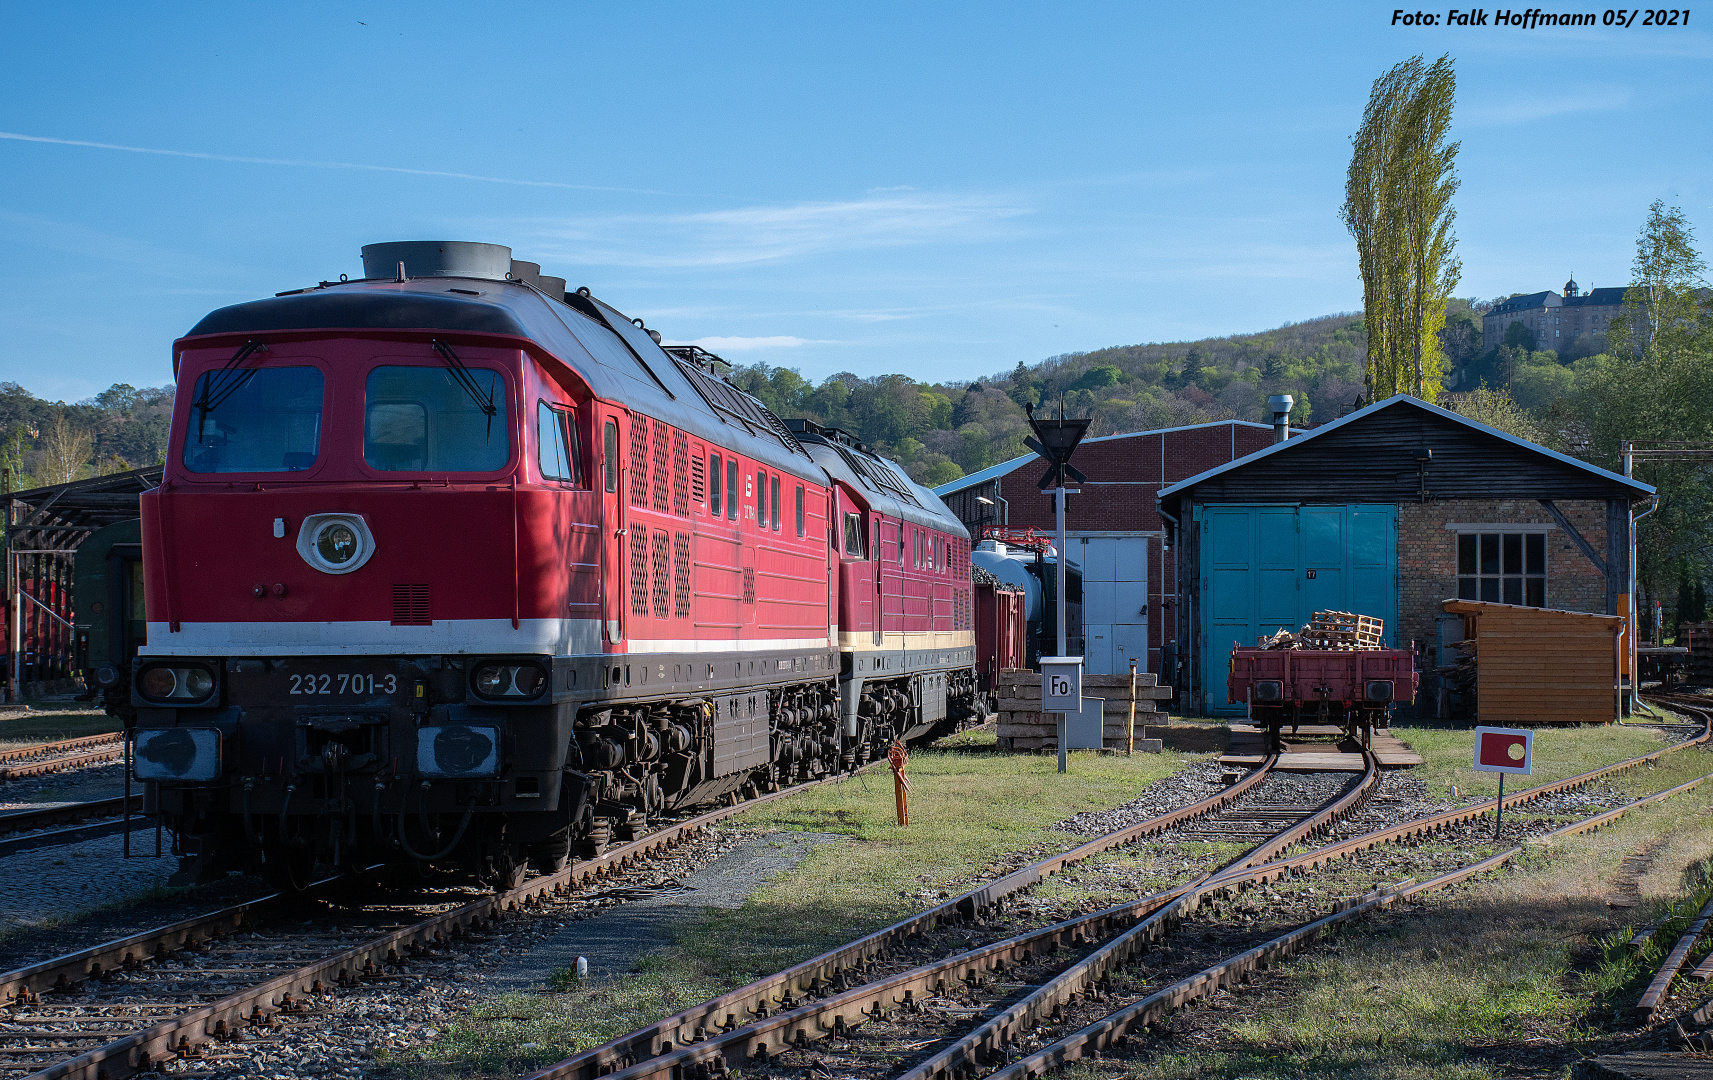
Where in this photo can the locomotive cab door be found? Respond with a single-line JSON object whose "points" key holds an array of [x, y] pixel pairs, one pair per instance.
{"points": [[613, 522]]}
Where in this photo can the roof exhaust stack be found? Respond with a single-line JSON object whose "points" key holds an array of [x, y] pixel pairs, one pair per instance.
{"points": [[438, 258], [1281, 404]]}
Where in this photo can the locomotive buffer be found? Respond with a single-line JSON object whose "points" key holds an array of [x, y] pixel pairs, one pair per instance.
{"points": [[1054, 441]]}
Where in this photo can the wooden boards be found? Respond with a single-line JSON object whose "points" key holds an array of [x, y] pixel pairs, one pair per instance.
{"points": [[1023, 727], [1540, 665]]}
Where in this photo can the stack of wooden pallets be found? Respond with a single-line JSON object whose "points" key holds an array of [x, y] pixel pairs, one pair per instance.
{"points": [[1343, 631]]}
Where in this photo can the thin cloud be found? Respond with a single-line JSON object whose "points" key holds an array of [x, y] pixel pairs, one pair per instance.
{"points": [[294, 163], [762, 234], [1526, 110], [751, 344]]}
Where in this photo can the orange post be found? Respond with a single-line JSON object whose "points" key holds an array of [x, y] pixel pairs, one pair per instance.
{"points": [[900, 783]]}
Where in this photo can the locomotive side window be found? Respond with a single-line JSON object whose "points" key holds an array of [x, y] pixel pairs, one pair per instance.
{"points": [[423, 419], [901, 544], [854, 537], [255, 420], [556, 439], [773, 498], [732, 488], [760, 500], [610, 457], [714, 485], [800, 514]]}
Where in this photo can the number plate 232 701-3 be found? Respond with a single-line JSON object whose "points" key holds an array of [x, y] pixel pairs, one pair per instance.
{"points": [[343, 683]]}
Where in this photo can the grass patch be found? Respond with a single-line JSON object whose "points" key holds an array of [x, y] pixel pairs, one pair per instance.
{"points": [[968, 811], [29, 729], [1559, 753], [1523, 971]]}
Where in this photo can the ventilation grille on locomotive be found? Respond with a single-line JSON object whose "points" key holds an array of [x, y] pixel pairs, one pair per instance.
{"points": [[639, 461], [410, 606], [680, 474], [681, 575], [730, 402], [638, 571], [662, 567], [662, 478]]}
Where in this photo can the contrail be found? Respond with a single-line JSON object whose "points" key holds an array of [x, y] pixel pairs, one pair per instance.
{"points": [[324, 165]]}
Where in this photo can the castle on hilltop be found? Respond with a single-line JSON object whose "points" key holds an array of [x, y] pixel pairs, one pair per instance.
{"points": [[1557, 321]]}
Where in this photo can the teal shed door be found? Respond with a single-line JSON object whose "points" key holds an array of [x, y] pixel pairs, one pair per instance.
{"points": [[1264, 568]]}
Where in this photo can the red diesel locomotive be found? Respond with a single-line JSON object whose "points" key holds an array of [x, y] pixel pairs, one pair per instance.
{"points": [[450, 565]]}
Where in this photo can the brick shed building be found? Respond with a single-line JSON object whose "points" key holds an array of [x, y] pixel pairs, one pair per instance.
{"points": [[1114, 526], [1388, 512]]}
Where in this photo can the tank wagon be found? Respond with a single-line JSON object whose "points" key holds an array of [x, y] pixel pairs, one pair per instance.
{"points": [[450, 565]]}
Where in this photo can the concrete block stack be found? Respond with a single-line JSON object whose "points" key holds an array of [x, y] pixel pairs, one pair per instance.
{"points": [[1023, 727]]}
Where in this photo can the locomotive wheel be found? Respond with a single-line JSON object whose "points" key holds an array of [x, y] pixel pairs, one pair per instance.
{"points": [[505, 870], [551, 855]]}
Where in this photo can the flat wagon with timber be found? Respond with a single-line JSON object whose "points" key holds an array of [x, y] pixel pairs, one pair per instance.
{"points": [[1334, 672]]}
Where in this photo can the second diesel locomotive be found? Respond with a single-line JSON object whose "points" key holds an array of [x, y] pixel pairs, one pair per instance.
{"points": [[450, 565]]}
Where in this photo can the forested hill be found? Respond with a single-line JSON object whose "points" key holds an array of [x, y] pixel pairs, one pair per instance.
{"points": [[51, 442], [941, 431]]}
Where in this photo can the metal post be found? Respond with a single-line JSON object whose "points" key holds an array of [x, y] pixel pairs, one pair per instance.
{"points": [[1499, 813], [1130, 731], [1059, 511], [127, 853]]}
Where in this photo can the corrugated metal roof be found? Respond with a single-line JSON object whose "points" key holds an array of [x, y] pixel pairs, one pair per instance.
{"points": [[1414, 402]]}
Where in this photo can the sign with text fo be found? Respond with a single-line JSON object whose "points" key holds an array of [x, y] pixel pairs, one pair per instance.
{"points": [[1504, 750], [1062, 684]]}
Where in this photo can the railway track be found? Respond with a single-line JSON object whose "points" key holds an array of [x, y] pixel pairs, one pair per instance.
{"points": [[831, 997], [62, 756], [257, 991], [21, 831]]}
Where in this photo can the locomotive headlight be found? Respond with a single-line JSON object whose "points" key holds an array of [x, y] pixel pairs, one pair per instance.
{"points": [[458, 751], [175, 684], [335, 543], [1379, 691], [190, 754], [1269, 690], [512, 681]]}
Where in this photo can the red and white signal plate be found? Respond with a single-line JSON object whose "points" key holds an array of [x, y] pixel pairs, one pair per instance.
{"points": [[1504, 750]]}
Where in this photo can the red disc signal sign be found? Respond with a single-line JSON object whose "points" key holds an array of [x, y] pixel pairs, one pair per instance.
{"points": [[1504, 750]]}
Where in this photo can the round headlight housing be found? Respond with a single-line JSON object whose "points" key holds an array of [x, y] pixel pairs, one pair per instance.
{"points": [[508, 680], [335, 543], [176, 683], [159, 682]]}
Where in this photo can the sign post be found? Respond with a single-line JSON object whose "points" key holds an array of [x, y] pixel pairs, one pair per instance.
{"points": [[1054, 441], [1062, 692], [1503, 750]]}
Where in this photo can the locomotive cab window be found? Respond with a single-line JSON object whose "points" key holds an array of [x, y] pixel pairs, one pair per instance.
{"points": [[800, 513], [732, 489], [426, 419], [773, 500], [255, 420], [610, 456], [761, 500], [713, 485], [854, 537], [556, 438]]}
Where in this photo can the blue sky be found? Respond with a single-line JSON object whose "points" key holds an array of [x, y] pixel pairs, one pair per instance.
{"points": [[938, 190]]}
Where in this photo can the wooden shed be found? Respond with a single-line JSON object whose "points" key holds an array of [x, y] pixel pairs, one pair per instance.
{"points": [[1541, 665]]}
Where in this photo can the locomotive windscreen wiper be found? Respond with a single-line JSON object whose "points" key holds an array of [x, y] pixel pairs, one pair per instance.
{"points": [[216, 388], [485, 402]]}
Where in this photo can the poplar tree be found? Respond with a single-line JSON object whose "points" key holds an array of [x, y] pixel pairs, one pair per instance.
{"points": [[1397, 206]]}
